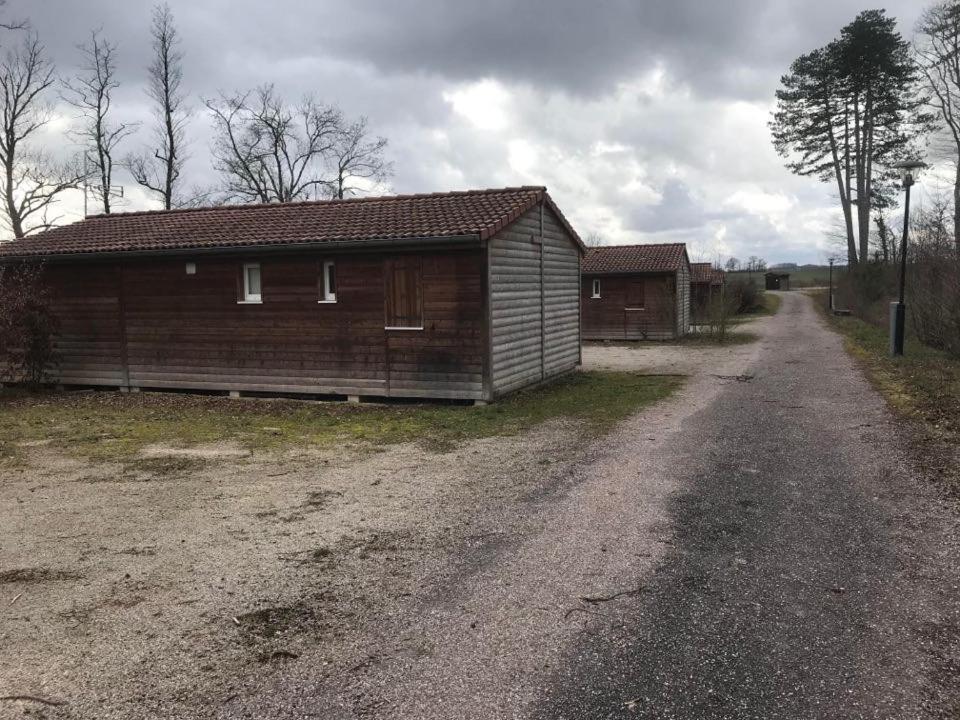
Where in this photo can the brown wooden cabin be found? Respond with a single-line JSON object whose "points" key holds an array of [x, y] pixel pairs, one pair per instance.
{"points": [[466, 295], [706, 286], [635, 292], [777, 281]]}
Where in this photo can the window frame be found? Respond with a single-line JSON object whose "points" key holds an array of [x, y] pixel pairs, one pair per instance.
{"points": [[246, 297], [328, 297], [595, 289], [388, 278]]}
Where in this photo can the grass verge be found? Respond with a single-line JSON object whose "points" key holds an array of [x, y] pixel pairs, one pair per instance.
{"points": [[111, 426], [922, 386]]}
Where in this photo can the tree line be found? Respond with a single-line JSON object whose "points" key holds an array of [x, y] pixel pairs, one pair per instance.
{"points": [[265, 149], [848, 112]]}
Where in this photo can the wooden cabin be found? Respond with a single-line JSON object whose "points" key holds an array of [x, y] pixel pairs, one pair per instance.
{"points": [[635, 292], [706, 287], [777, 281], [464, 295]]}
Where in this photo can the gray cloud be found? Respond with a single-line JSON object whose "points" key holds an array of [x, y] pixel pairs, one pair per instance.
{"points": [[610, 104]]}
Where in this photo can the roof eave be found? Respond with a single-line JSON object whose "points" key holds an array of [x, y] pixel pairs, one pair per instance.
{"points": [[265, 249]]}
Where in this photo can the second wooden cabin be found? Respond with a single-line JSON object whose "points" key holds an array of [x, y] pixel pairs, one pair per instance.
{"points": [[636, 292]]}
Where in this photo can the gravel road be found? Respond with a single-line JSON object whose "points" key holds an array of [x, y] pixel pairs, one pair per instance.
{"points": [[757, 547]]}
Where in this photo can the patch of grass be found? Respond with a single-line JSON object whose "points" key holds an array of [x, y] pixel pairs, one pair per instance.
{"points": [[922, 386], [113, 426]]}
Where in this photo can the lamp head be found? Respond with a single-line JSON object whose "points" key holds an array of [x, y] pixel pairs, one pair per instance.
{"points": [[909, 170]]}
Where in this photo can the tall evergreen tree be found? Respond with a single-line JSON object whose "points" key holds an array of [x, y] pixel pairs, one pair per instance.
{"points": [[847, 111]]}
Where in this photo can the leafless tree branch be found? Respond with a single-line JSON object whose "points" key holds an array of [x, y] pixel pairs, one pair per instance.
{"points": [[32, 182], [91, 92], [159, 169]]}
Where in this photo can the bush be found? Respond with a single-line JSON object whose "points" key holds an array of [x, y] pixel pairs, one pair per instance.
{"points": [[744, 295], [28, 326]]}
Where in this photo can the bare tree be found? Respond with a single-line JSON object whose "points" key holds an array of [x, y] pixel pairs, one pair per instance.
{"points": [[732, 264], [267, 151], [357, 157], [32, 181], [91, 93], [594, 239], [938, 54], [159, 170]]}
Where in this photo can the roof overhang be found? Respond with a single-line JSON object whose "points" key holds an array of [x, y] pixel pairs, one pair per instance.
{"points": [[240, 250]]}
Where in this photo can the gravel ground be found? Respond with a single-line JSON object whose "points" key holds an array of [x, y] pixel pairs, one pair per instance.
{"points": [[166, 591], [757, 546]]}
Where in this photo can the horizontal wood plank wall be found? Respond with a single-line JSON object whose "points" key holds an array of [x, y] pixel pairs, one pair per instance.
{"points": [[445, 359], [607, 317], [561, 297], [189, 332], [535, 329], [86, 301], [683, 300]]}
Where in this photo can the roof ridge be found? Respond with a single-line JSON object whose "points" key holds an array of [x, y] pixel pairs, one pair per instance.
{"points": [[635, 245], [328, 201]]}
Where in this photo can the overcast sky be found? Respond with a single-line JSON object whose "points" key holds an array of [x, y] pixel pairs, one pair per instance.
{"points": [[645, 119]]}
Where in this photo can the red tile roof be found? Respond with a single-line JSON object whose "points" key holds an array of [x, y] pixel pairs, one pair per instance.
{"points": [[705, 272], [479, 213], [617, 259]]}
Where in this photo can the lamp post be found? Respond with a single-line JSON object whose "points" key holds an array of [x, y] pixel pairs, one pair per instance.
{"points": [[898, 310]]}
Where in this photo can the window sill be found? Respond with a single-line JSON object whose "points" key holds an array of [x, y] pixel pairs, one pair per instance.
{"points": [[594, 297], [403, 328], [249, 302], [326, 302]]}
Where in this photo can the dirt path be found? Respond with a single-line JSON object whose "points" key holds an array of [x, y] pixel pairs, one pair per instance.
{"points": [[756, 548]]}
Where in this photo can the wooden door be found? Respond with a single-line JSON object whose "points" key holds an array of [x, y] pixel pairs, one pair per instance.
{"points": [[634, 309]]}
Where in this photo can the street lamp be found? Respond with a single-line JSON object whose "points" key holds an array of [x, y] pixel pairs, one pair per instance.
{"points": [[898, 310]]}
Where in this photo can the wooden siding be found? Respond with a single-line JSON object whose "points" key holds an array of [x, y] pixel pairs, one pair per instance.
{"points": [[90, 347], [683, 300], [615, 316], [534, 302], [148, 324]]}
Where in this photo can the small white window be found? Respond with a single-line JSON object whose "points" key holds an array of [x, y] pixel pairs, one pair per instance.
{"points": [[251, 283], [328, 286], [191, 268], [596, 289]]}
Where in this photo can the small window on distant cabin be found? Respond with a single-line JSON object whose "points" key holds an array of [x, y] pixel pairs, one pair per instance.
{"points": [[328, 282], [403, 288], [596, 289], [251, 283]]}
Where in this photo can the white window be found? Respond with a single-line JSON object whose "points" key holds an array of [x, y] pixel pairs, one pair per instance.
{"points": [[191, 268], [251, 283], [596, 289], [328, 283]]}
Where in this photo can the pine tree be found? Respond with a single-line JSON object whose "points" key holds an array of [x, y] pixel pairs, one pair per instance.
{"points": [[847, 111]]}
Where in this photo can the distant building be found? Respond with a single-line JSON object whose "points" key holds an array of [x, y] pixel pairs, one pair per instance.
{"points": [[777, 281]]}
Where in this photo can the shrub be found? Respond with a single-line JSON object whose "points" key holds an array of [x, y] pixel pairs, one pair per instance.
{"points": [[28, 326], [744, 295]]}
